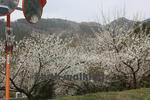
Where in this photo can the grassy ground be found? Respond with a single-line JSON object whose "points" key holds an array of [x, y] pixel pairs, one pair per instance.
{"points": [[139, 94]]}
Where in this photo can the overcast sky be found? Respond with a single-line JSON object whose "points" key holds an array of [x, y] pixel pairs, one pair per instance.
{"points": [[91, 10]]}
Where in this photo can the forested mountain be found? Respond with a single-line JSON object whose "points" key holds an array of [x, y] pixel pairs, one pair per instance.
{"points": [[52, 26], [65, 28], [58, 26], [2, 29], [19, 30]]}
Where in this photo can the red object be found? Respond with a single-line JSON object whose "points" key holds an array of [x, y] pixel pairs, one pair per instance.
{"points": [[7, 64], [42, 2], [7, 76]]}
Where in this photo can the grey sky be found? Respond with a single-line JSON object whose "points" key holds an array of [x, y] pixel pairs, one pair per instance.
{"points": [[90, 10]]}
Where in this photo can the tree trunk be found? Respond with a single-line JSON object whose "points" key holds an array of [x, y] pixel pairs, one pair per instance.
{"points": [[134, 81], [30, 97]]}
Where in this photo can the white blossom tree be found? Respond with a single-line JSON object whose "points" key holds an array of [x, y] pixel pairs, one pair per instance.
{"points": [[126, 55], [40, 54], [2, 65]]}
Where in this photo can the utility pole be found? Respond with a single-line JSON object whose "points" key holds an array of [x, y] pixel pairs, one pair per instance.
{"points": [[8, 51]]}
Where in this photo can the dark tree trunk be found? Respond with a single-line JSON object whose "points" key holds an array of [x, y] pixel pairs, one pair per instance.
{"points": [[134, 81], [30, 97]]}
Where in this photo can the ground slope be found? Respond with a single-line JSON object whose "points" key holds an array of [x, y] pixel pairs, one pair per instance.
{"points": [[139, 94]]}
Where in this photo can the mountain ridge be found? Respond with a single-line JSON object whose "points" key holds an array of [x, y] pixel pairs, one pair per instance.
{"points": [[66, 27]]}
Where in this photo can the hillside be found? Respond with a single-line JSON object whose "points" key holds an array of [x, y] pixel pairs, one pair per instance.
{"points": [[61, 27], [139, 94], [66, 28]]}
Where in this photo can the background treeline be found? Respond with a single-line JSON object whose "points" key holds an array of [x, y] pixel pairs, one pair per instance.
{"points": [[51, 26], [66, 28]]}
